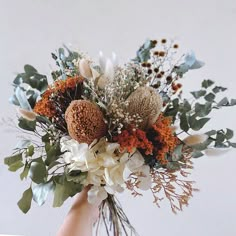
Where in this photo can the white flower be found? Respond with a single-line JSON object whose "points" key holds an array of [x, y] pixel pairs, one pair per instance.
{"points": [[96, 195], [136, 166], [107, 169]]}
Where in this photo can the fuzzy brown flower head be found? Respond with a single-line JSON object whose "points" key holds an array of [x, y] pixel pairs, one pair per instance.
{"points": [[85, 121], [145, 103]]}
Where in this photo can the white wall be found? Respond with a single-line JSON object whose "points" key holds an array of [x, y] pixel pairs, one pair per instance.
{"points": [[31, 29]]}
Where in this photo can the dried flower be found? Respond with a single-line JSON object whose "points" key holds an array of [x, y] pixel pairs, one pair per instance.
{"points": [[57, 98], [28, 115], [195, 139], [85, 121], [147, 104], [84, 69], [162, 137], [134, 138]]}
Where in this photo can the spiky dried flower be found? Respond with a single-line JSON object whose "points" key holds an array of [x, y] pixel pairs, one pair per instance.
{"points": [[147, 104]]}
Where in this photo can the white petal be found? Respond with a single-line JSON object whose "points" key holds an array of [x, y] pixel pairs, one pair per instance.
{"points": [[102, 61], [96, 195], [95, 73], [111, 147], [102, 82], [135, 161], [114, 59], [109, 70], [144, 178]]}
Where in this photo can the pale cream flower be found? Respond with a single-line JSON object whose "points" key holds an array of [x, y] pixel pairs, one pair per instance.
{"points": [[106, 166], [84, 69], [28, 115], [195, 139]]}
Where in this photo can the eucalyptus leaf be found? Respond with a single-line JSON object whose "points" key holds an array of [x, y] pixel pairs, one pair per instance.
{"points": [[30, 70], [64, 191], [197, 124], [184, 122], [23, 144], [210, 97], [26, 124], [41, 191], [207, 83], [76, 176], [30, 151], [143, 54], [211, 132], [223, 102], [198, 94], [13, 159], [25, 202], [197, 154], [203, 110], [218, 89], [232, 144], [229, 134], [38, 172], [233, 102], [16, 166], [25, 172], [53, 153]]}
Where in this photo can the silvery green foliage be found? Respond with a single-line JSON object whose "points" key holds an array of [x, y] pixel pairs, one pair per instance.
{"points": [[189, 62], [28, 87], [143, 54], [65, 59]]}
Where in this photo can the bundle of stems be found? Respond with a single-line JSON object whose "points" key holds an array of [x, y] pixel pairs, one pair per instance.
{"points": [[112, 216]]}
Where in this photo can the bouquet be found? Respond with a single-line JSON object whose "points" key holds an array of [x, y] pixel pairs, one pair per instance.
{"points": [[113, 127]]}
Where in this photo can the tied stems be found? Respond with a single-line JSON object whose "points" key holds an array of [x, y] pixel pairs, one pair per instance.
{"points": [[114, 219]]}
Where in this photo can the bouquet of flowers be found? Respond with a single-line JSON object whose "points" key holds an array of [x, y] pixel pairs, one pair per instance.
{"points": [[114, 127]]}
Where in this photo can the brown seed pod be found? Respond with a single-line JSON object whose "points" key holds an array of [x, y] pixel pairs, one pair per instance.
{"points": [[85, 121]]}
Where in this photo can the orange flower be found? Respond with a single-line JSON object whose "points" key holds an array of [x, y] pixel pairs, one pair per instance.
{"points": [[134, 138], [163, 137], [46, 106], [57, 98]]}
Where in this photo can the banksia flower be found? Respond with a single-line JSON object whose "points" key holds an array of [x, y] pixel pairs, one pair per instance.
{"points": [[145, 103], [85, 121]]}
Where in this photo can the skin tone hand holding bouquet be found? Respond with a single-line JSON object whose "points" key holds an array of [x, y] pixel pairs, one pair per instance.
{"points": [[113, 128]]}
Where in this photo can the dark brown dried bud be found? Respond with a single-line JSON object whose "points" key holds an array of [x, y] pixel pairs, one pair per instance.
{"points": [[162, 54], [154, 42], [156, 70], [148, 65], [163, 41], [175, 46], [156, 53]]}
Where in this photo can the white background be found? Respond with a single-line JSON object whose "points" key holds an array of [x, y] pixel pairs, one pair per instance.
{"points": [[31, 29]]}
